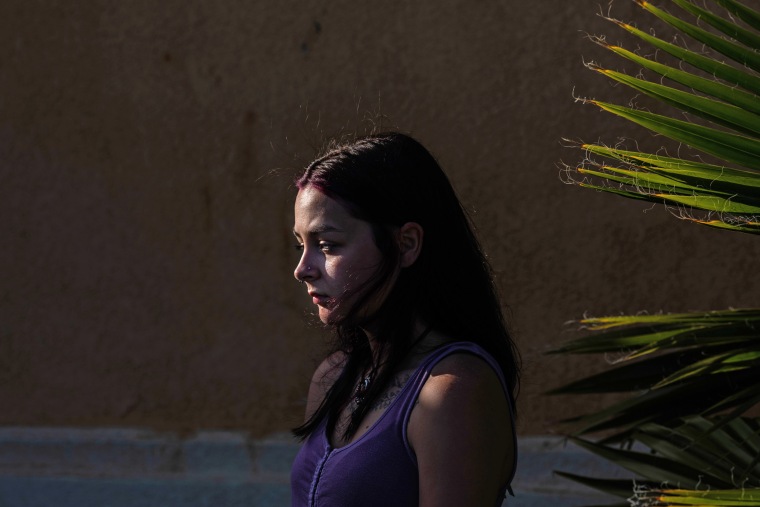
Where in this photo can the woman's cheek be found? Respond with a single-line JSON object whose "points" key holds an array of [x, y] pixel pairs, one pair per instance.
{"points": [[332, 267]]}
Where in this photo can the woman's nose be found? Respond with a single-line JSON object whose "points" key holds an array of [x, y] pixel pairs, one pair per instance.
{"points": [[304, 270]]}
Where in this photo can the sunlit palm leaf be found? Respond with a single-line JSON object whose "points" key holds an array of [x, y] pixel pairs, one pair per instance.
{"points": [[711, 66], [719, 112], [653, 180], [746, 14], [729, 28], [729, 94], [646, 497], [691, 453], [712, 203], [748, 227], [734, 51], [699, 171], [727, 197], [709, 365], [693, 375], [733, 360], [630, 334], [737, 149]]}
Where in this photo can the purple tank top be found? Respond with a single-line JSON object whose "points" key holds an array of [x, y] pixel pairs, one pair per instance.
{"points": [[379, 468]]}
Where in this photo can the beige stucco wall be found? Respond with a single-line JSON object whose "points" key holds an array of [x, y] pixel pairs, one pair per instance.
{"points": [[146, 154]]}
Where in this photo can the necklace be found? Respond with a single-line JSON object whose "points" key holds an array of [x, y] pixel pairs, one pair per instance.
{"points": [[360, 393], [361, 389]]}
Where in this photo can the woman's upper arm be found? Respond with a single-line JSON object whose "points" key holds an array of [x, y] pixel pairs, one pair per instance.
{"points": [[461, 432], [324, 377]]}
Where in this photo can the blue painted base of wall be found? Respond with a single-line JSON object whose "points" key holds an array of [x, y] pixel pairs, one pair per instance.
{"points": [[50, 467]]}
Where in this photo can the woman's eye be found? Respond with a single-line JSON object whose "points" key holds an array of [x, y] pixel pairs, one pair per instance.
{"points": [[326, 247], [298, 247]]}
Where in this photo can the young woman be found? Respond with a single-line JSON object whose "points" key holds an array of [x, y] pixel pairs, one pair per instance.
{"points": [[414, 406]]}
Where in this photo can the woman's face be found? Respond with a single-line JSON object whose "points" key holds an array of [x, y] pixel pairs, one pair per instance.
{"points": [[338, 252]]}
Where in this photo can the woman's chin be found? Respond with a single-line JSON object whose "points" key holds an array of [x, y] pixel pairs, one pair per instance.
{"points": [[327, 316]]}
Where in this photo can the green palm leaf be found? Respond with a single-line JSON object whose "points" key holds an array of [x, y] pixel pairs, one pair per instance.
{"points": [[692, 376], [698, 498], [746, 14], [741, 150], [727, 195], [702, 395], [645, 464], [712, 203], [733, 30], [728, 180], [729, 94], [719, 112], [632, 334], [731, 361], [711, 66], [736, 52], [688, 453], [695, 363], [748, 227], [635, 376]]}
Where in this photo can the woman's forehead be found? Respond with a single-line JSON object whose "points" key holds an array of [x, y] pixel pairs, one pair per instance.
{"points": [[317, 212]]}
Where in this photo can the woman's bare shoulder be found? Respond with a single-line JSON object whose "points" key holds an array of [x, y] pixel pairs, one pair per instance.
{"points": [[466, 393], [461, 432], [463, 373]]}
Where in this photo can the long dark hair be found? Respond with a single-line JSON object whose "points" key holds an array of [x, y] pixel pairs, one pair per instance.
{"points": [[388, 180]]}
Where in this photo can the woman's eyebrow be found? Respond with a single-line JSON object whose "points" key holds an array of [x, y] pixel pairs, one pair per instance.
{"points": [[320, 229]]}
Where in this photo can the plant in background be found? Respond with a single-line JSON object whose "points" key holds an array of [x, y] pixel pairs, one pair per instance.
{"points": [[684, 431]]}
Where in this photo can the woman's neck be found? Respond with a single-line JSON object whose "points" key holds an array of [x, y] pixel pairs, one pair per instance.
{"points": [[420, 331]]}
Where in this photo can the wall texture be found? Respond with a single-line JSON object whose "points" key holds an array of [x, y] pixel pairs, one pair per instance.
{"points": [[146, 155]]}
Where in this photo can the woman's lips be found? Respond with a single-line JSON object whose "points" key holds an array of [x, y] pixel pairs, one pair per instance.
{"points": [[319, 299]]}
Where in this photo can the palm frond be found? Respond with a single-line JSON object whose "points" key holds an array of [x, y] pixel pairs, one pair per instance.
{"points": [[646, 497], [738, 53], [675, 364], [724, 95], [691, 453], [692, 376]]}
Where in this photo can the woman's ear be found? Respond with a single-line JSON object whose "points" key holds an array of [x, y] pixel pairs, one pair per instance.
{"points": [[409, 243]]}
